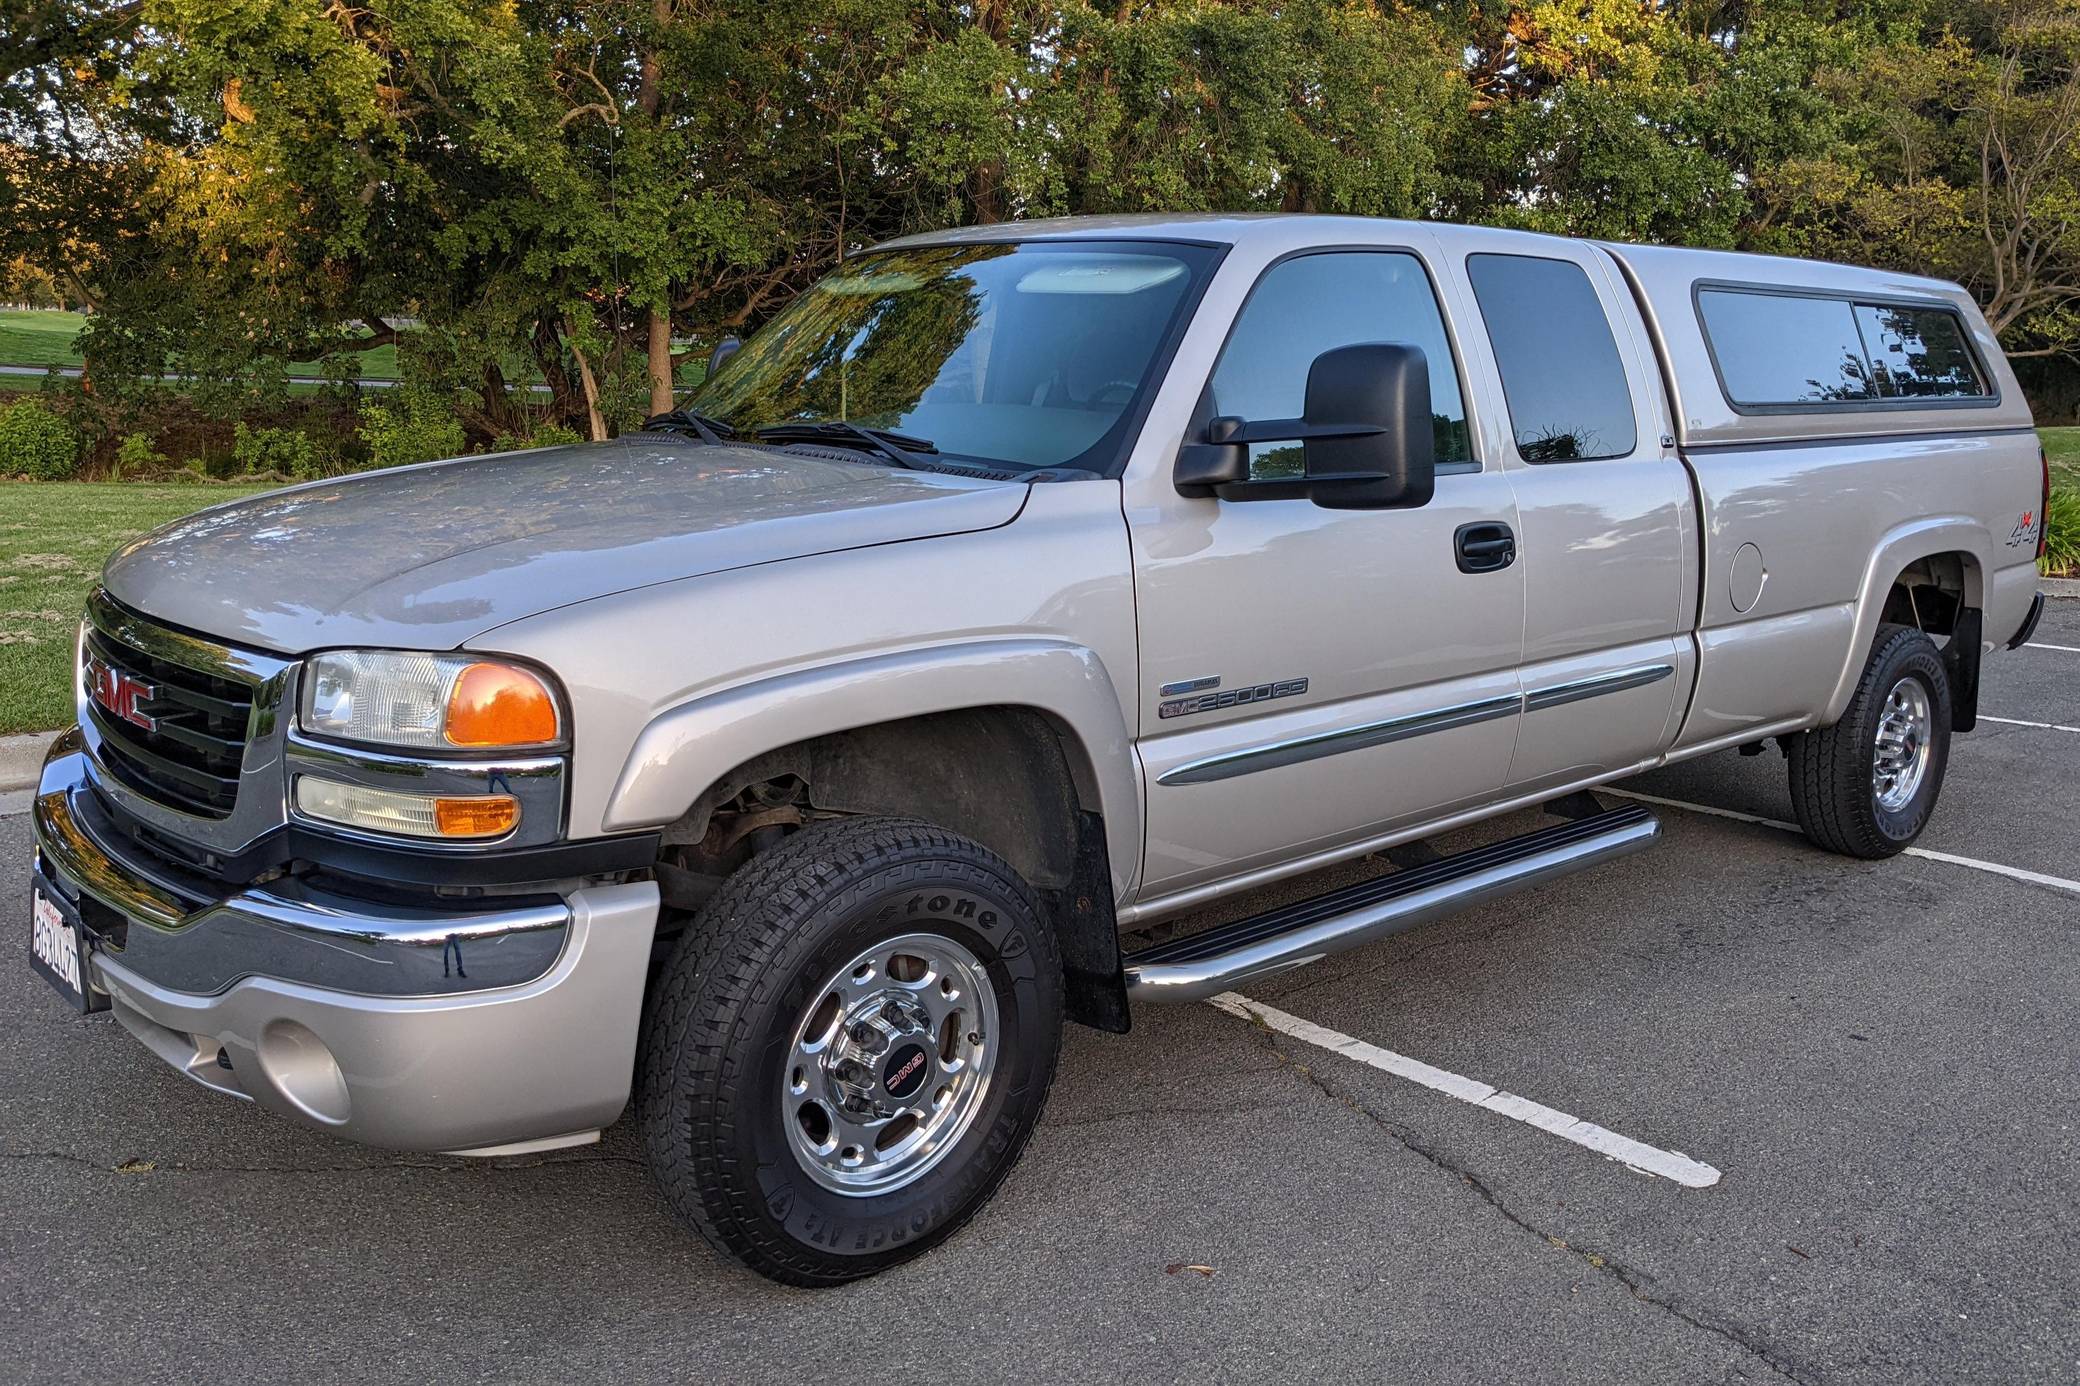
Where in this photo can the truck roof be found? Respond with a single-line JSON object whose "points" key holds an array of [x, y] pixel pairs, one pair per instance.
{"points": [[1663, 281], [1239, 228]]}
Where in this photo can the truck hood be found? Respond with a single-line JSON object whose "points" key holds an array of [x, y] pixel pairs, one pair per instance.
{"points": [[427, 557]]}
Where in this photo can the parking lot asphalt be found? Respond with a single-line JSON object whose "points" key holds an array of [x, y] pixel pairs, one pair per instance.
{"points": [[1879, 1062]]}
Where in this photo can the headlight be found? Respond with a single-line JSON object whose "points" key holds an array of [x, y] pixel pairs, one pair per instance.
{"points": [[428, 701]]}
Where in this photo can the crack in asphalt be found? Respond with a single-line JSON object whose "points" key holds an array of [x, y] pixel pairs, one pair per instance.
{"points": [[139, 1165], [1636, 1283], [1196, 1109]]}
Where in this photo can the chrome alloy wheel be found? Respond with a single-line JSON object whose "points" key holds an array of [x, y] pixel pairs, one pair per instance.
{"points": [[1899, 761], [890, 1065]]}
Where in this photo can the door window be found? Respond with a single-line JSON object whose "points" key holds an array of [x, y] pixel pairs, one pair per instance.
{"points": [[1310, 304], [1562, 377]]}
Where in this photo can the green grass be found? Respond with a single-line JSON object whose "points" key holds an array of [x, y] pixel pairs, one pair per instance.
{"points": [[54, 536], [39, 337], [44, 337], [2063, 444]]}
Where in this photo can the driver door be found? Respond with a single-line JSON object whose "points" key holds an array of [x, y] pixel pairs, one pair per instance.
{"points": [[1314, 677]]}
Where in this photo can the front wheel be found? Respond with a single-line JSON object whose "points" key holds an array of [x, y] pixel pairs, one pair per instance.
{"points": [[850, 1048], [1865, 787]]}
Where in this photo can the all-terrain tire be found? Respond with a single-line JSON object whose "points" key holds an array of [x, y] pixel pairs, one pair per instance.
{"points": [[721, 1049], [1835, 787]]}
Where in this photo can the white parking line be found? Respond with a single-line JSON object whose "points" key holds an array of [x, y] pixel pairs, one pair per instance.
{"points": [[2040, 645], [2013, 873], [1647, 1159], [2018, 722]]}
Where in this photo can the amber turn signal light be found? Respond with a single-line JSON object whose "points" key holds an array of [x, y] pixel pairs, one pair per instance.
{"points": [[490, 815], [501, 705]]}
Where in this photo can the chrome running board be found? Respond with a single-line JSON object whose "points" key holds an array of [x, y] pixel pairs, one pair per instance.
{"points": [[1205, 964]]}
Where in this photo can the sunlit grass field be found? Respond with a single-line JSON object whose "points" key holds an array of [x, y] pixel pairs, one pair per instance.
{"points": [[53, 539]]}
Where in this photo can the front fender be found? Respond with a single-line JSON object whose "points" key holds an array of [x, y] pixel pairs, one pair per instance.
{"points": [[686, 748], [1899, 547]]}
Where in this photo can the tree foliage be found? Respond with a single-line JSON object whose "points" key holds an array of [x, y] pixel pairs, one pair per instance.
{"points": [[592, 190]]}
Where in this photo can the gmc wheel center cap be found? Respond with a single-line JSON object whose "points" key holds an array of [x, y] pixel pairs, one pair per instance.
{"points": [[905, 1071]]}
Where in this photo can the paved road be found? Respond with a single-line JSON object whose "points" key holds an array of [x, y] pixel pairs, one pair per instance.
{"points": [[1883, 1062]]}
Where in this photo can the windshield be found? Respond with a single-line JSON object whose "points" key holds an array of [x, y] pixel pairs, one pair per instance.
{"points": [[1026, 355]]}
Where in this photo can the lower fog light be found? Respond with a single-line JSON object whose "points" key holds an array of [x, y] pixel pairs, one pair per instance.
{"points": [[299, 1067], [413, 815]]}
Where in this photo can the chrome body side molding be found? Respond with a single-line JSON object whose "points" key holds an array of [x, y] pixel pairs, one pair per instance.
{"points": [[1618, 682], [1315, 745], [1335, 742]]}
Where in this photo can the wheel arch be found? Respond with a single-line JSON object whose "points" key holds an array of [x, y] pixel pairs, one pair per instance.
{"points": [[1935, 554], [1003, 702]]}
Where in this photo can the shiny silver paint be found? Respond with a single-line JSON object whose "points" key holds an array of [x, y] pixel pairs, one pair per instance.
{"points": [[702, 606], [426, 557], [705, 674], [545, 1062]]}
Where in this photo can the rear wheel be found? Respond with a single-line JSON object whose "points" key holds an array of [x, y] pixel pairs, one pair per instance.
{"points": [[1865, 787], [850, 1048]]}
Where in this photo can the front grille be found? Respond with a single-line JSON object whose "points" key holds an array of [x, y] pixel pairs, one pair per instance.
{"points": [[189, 756]]}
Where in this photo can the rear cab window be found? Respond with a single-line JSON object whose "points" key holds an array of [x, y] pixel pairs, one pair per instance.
{"points": [[1562, 378], [1781, 350]]}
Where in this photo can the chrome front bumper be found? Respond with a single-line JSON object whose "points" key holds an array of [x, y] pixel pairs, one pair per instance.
{"points": [[473, 1031]]}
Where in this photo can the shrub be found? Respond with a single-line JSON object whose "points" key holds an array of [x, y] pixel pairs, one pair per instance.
{"points": [[546, 436], [36, 443], [284, 451], [410, 426], [2062, 532], [135, 456]]}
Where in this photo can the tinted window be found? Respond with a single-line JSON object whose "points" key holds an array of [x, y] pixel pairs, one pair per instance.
{"points": [[1561, 374], [1781, 349], [1918, 353], [1026, 355], [1315, 303], [1776, 349]]}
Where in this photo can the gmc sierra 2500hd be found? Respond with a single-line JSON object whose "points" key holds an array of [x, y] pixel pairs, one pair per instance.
{"points": [[797, 763]]}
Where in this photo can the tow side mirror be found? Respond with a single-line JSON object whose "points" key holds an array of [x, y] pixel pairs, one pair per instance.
{"points": [[719, 353], [1366, 437]]}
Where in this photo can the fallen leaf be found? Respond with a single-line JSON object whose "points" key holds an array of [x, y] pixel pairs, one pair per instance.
{"points": [[1175, 1266], [1796, 1252]]}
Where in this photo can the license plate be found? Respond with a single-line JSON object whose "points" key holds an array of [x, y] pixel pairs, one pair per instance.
{"points": [[58, 948]]}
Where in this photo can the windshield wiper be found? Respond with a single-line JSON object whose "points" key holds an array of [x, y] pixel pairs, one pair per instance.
{"points": [[899, 448], [706, 427]]}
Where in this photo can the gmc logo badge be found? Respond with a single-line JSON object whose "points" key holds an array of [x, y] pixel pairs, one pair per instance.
{"points": [[120, 693]]}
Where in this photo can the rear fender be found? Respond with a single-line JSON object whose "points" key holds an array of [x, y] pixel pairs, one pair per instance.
{"points": [[1899, 547]]}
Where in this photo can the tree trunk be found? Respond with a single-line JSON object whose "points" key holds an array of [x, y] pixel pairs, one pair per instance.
{"points": [[660, 362], [595, 425]]}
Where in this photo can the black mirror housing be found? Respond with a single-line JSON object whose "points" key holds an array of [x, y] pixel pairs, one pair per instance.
{"points": [[1380, 392], [1367, 439]]}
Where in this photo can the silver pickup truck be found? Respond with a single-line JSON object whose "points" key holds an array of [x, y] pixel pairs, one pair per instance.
{"points": [[799, 764]]}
